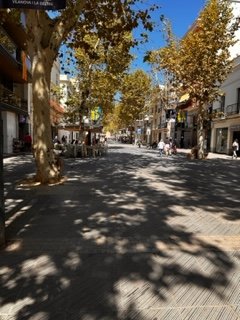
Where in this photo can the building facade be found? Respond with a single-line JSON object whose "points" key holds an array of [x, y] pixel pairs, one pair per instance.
{"points": [[223, 125], [69, 131], [226, 126], [16, 105], [15, 74], [163, 124], [56, 109]]}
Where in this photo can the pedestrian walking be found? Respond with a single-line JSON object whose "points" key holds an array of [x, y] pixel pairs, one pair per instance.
{"points": [[170, 146], [139, 143], [161, 146], [182, 142], [174, 147], [235, 147], [64, 139], [167, 149], [27, 142]]}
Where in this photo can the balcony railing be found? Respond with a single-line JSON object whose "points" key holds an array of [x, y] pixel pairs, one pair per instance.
{"points": [[233, 109], [11, 99], [7, 43]]}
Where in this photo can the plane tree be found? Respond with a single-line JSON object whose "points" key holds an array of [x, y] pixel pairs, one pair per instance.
{"points": [[45, 33], [201, 61], [135, 92], [111, 121], [100, 65]]}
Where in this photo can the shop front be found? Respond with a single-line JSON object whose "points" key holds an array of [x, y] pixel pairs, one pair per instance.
{"points": [[236, 134], [221, 140], [223, 134]]}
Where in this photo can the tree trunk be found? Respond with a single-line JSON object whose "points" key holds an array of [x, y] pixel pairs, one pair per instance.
{"points": [[2, 209], [131, 135], [47, 170], [200, 132], [81, 113], [42, 46], [44, 37]]}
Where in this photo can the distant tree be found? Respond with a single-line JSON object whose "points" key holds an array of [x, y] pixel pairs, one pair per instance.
{"points": [[200, 62], [98, 74], [112, 121], [135, 92]]}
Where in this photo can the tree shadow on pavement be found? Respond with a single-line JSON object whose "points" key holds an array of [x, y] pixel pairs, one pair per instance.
{"points": [[126, 237]]}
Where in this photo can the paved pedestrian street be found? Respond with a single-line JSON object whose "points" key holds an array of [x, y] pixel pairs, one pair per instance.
{"points": [[127, 236]]}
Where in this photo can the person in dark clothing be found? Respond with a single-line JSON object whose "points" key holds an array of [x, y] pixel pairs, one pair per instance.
{"points": [[27, 142], [154, 145], [182, 142], [63, 139]]}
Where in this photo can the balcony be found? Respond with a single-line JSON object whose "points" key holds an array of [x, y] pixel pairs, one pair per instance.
{"points": [[233, 109], [10, 101], [14, 63], [15, 28], [8, 44]]}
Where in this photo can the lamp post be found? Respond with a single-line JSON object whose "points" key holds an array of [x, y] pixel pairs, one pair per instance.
{"points": [[2, 210]]}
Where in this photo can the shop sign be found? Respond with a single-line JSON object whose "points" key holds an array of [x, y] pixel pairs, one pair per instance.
{"points": [[34, 4], [148, 131]]}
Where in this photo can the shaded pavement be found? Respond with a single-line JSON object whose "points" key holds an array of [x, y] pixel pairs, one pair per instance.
{"points": [[126, 236]]}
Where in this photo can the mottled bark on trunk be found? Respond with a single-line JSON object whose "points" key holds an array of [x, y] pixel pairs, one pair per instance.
{"points": [[81, 126], [42, 140], [200, 132], [2, 205], [42, 49], [44, 37]]}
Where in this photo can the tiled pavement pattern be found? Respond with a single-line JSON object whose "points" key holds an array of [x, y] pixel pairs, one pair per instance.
{"points": [[128, 236]]}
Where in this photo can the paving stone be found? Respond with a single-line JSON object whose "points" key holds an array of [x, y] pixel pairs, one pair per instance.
{"points": [[126, 236], [210, 313]]}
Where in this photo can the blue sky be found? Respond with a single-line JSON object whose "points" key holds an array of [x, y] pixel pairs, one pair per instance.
{"points": [[181, 13]]}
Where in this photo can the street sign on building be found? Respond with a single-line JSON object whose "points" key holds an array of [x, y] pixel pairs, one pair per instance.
{"points": [[34, 4], [148, 131]]}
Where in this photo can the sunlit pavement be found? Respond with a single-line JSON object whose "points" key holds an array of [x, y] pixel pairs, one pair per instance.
{"points": [[126, 236]]}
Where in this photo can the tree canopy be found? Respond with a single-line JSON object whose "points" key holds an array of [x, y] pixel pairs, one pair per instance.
{"points": [[200, 61], [45, 33], [135, 92]]}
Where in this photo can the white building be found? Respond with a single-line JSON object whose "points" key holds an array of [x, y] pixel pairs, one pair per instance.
{"points": [[67, 86], [15, 73], [226, 127]]}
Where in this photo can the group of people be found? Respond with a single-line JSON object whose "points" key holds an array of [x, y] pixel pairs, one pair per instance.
{"points": [[168, 148]]}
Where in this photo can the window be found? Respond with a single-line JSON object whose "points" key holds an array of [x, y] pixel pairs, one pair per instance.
{"points": [[238, 99], [221, 143], [222, 103], [7, 43]]}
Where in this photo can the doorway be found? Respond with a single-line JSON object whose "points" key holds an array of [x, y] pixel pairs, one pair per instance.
{"points": [[236, 135]]}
